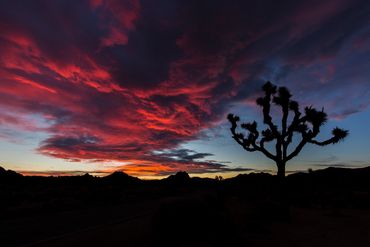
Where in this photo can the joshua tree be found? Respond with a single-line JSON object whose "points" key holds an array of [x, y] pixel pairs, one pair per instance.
{"points": [[307, 125]]}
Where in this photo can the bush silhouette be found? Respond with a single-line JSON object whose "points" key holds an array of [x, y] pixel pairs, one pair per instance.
{"points": [[307, 125]]}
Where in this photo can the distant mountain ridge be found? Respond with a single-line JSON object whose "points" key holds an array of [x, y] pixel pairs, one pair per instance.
{"points": [[183, 177]]}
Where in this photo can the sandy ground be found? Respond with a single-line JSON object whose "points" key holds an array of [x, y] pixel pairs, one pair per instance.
{"points": [[131, 225], [81, 226], [308, 227]]}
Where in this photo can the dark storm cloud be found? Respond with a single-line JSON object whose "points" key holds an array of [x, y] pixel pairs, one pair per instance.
{"points": [[326, 41], [144, 61], [71, 142], [119, 80], [184, 154]]}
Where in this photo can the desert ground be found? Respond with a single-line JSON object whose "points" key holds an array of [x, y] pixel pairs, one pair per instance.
{"points": [[249, 210]]}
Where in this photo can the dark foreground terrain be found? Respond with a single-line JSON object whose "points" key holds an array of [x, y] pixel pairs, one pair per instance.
{"points": [[329, 207]]}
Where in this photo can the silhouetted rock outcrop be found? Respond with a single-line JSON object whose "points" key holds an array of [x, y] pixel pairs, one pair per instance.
{"points": [[9, 175], [179, 178], [120, 177]]}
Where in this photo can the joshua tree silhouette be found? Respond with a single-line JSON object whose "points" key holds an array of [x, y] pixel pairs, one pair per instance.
{"points": [[307, 125]]}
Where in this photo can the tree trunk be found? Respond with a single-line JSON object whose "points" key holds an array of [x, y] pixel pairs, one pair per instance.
{"points": [[281, 169]]}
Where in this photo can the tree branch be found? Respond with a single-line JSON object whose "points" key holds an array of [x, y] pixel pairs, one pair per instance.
{"points": [[297, 149], [238, 137], [338, 135], [264, 150], [251, 140], [242, 142]]}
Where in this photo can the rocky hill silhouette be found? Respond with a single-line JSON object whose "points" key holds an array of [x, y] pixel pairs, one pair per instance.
{"points": [[121, 178], [9, 175]]}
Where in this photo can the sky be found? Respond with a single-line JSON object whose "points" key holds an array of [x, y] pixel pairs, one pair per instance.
{"points": [[144, 87]]}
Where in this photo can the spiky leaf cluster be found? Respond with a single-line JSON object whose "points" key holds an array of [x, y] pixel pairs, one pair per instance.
{"points": [[306, 124]]}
